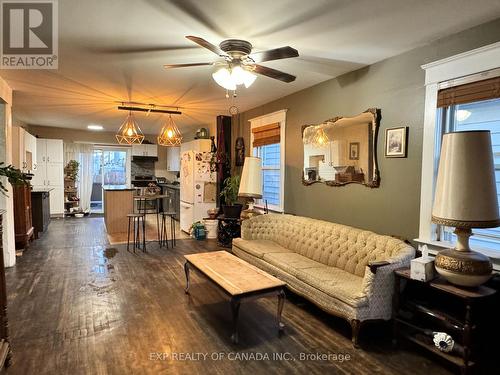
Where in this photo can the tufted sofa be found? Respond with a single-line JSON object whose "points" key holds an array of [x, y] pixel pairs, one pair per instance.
{"points": [[344, 270]]}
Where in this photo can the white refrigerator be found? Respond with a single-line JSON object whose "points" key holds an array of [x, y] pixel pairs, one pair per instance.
{"points": [[197, 183]]}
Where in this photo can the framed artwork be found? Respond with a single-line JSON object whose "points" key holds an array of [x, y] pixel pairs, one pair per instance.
{"points": [[354, 151], [396, 144]]}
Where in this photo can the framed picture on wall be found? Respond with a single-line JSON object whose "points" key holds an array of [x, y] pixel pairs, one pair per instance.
{"points": [[396, 144], [354, 151]]}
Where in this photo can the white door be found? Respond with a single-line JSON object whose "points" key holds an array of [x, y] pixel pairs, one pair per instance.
{"points": [[54, 151], [187, 177], [56, 200]]}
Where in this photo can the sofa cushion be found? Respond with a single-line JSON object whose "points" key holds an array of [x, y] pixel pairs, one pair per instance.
{"points": [[290, 262], [337, 283], [259, 247], [330, 280]]}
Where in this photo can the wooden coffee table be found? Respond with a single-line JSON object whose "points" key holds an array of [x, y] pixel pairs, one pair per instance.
{"points": [[239, 280]]}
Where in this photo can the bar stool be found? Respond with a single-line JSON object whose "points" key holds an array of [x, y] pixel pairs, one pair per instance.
{"points": [[163, 232], [136, 220]]}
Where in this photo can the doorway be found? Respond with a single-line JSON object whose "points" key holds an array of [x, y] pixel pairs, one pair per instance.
{"points": [[111, 170]]}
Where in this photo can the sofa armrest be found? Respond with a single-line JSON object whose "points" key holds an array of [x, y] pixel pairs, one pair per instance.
{"points": [[378, 283], [375, 265]]}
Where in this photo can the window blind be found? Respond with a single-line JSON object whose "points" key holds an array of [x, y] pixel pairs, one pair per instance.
{"points": [[470, 92], [266, 135]]}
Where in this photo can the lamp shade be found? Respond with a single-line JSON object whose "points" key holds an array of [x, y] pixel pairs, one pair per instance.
{"points": [[251, 178], [466, 194]]}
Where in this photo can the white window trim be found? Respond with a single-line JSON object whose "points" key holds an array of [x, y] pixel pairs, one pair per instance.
{"points": [[270, 118], [474, 65]]}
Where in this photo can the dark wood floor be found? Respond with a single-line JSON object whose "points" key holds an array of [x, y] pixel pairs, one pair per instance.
{"points": [[80, 306]]}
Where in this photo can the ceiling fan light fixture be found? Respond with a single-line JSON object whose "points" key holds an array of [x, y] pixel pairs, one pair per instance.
{"points": [[249, 78], [170, 135], [223, 78], [129, 133]]}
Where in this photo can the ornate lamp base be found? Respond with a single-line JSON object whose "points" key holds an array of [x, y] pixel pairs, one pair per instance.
{"points": [[250, 211], [462, 266]]}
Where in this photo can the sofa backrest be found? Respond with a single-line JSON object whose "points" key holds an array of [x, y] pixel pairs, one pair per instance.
{"points": [[336, 245]]}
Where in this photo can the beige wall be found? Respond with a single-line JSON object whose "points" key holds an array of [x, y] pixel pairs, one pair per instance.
{"points": [[396, 86]]}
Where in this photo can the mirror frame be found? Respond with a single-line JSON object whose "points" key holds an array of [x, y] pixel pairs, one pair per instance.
{"points": [[375, 181]]}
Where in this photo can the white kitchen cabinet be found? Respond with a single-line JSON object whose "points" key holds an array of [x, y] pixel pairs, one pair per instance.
{"points": [[30, 152], [137, 150], [23, 149], [173, 159], [49, 173], [145, 150], [54, 151]]}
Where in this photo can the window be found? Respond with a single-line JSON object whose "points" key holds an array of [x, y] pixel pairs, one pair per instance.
{"points": [[478, 115], [271, 174], [268, 143]]}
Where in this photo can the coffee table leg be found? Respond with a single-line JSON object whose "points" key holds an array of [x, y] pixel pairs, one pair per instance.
{"points": [[186, 271], [281, 303], [235, 309]]}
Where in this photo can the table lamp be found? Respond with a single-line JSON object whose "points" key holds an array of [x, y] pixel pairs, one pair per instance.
{"points": [[251, 184], [465, 198]]}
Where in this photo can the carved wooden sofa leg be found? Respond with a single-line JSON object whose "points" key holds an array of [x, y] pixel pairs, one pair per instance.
{"points": [[355, 326]]}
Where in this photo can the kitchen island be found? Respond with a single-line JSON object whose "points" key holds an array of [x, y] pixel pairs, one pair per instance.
{"points": [[118, 203]]}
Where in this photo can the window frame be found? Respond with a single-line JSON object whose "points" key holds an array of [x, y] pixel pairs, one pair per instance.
{"points": [[256, 122], [478, 64]]}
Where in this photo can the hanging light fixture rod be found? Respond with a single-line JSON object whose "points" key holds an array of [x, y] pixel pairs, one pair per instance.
{"points": [[142, 109]]}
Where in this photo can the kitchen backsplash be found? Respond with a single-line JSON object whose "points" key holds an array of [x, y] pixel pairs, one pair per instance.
{"points": [[143, 167]]}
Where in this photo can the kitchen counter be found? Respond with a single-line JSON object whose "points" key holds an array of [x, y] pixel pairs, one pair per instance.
{"points": [[172, 186], [117, 188], [42, 190], [118, 203]]}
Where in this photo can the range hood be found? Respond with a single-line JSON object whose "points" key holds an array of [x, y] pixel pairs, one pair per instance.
{"points": [[144, 158]]}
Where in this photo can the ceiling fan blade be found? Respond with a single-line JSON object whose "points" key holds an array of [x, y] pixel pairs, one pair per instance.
{"points": [[202, 42], [274, 54], [169, 66], [138, 49], [273, 73]]}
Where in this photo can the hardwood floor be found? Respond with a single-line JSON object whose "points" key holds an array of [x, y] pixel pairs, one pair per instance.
{"points": [[78, 305]]}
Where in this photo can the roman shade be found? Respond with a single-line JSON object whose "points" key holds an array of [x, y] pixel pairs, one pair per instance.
{"points": [[266, 134], [470, 92]]}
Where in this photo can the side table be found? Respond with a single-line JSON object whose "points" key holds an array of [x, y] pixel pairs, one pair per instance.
{"points": [[438, 306], [228, 228]]}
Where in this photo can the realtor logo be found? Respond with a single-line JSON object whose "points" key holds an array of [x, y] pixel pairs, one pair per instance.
{"points": [[29, 34]]}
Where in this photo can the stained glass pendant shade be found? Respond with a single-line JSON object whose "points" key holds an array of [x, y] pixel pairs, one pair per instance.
{"points": [[130, 133], [170, 134]]}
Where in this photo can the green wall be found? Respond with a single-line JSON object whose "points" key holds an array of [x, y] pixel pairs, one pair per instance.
{"points": [[396, 86]]}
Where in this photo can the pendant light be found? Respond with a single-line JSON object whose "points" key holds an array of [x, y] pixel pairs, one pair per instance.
{"points": [[130, 133], [320, 138], [170, 134]]}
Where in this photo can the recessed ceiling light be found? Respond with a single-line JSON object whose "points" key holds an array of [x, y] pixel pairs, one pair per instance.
{"points": [[95, 127]]}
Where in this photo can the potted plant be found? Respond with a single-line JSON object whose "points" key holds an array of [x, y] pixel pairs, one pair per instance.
{"points": [[229, 193], [14, 175]]}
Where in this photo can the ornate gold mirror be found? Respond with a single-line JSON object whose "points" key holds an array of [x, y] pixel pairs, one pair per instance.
{"points": [[342, 150]]}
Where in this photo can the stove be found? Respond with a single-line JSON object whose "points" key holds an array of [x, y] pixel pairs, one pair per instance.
{"points": [[140, 181]]}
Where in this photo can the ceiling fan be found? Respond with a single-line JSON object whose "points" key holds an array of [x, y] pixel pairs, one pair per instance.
{"points": [[239, 63]]}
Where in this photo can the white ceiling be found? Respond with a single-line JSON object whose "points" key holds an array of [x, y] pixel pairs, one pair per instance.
{"points": [[332, 37]]}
